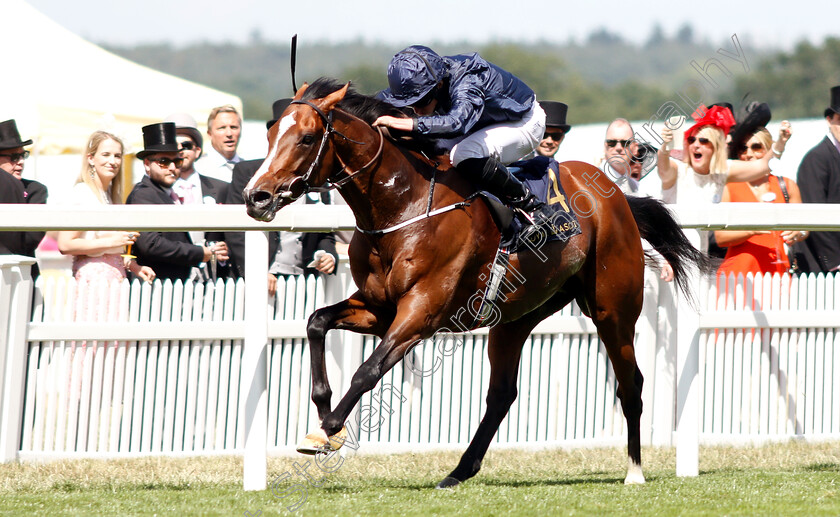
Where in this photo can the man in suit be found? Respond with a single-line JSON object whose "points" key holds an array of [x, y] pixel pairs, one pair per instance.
{"points": [[12, 158], [296, 251], [11, 191], [224, 127], [194, 188], [170, 254], [819, 182]]}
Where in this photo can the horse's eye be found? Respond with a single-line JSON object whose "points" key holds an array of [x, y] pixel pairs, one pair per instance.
{"points": [[307, 139]]}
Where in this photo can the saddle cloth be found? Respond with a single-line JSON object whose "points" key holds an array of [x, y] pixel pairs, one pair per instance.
{"points": [[542, 177]]}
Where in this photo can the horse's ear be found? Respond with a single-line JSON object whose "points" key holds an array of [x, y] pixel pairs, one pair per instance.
{"points": [[335, 97], [300, 91]]}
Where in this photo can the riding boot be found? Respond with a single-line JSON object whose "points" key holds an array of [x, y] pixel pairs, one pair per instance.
{"points": [[493, 176]]}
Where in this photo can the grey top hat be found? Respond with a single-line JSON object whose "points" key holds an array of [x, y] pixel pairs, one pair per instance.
{"points": [[555, 114], [9, 136], [159, 138], [185, 124]]}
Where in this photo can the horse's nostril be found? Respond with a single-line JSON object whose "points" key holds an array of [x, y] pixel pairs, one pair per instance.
{"points": [[261, 197]]}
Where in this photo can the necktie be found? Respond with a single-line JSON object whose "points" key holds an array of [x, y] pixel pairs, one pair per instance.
{"points": [[189, 198], [174, 197]]}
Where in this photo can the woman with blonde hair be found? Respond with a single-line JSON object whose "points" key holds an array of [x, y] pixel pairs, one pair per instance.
{"points": [[700, 178], [98, 254]]}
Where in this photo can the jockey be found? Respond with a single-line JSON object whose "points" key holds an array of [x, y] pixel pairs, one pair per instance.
{"points": [[483, 115]]}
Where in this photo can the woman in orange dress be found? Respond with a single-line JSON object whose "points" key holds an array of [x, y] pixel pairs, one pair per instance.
{"points": [[758, 251]]}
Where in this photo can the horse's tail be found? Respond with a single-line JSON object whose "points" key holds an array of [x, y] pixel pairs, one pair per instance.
{"points": [[660, 229]]}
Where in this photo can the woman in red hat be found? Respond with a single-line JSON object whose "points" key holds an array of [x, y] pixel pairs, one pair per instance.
{"points": [[701, 176]]}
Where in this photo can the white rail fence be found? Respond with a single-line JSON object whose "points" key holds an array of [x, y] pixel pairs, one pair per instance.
{"points": [[162, 369]]}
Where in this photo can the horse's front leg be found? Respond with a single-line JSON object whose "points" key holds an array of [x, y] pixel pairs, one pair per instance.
{"points": [[352, 314], [409, 326]]}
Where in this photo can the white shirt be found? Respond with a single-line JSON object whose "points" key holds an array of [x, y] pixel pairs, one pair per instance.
{"points": [[696, 189], [217, 166], [189, 190], [624, 182]]}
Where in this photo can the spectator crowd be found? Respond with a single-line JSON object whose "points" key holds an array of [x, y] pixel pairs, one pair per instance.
{"points": [[727, 155]]}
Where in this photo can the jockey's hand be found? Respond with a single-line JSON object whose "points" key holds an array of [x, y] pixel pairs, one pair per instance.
{"points": [[401, 124]]}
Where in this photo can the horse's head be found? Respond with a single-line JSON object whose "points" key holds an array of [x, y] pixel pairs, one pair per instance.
{"points": [[298, 155]]}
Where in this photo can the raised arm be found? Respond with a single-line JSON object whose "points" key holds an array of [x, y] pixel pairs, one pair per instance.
{"points": [[665, 166]]}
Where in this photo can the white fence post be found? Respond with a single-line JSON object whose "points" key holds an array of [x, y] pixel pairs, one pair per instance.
{"points": [[688, 382], [253, 397], [15, 303]]}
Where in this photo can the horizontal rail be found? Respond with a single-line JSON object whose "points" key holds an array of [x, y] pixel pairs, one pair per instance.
{"points": [[321, 218], [774, 319], [213, 330]]}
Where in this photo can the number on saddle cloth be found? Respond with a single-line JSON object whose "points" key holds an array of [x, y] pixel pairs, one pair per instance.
{"points": [[542, 177]]}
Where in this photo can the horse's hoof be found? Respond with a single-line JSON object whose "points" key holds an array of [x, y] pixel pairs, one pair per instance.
{"points": [[448, 482], [317, 442], [634, 475]]}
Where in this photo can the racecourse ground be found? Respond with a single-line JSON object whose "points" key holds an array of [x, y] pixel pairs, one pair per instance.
{"points": [[794, 478]]}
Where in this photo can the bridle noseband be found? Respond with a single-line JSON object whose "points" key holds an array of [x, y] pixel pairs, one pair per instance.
{"points": [[302, 182]]}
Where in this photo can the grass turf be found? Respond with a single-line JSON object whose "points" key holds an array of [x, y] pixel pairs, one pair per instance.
{"points": [[792, 478]]}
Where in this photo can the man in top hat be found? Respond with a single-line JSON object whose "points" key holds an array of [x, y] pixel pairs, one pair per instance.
{"points": [[193, 188], [170, 254], [819, 182], [12, 158], [302, 247], [555, 128]]}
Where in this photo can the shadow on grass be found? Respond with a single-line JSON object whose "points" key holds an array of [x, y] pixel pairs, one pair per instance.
{"points": [[71, 486], [823, 467], [494, 482]]}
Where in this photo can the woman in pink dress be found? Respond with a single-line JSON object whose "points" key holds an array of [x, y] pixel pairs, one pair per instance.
{"points": [[98, 265], [98, 254]]}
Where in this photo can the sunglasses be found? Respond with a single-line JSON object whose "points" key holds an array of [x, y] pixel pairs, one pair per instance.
{"points": [[612, 142], [166, 162], [555, 136], [756, 147], [187, 146], [16, 157], [703, 141]]}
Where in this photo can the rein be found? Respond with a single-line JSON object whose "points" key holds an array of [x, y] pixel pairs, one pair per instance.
{"points": [[329, 129]]}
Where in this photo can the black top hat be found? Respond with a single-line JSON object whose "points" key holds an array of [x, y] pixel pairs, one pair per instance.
{"points": [[555, 115], [9, 136], [277, 110], [835, 102], [748, 120], [159, 138]]}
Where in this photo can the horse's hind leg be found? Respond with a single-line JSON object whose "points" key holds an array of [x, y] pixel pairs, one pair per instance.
{"points": [[351, 314], [616, 327], [504, 351]]}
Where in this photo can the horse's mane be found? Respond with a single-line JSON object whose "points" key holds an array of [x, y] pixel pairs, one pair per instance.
{"points": [[363, 106], [369, 109]]}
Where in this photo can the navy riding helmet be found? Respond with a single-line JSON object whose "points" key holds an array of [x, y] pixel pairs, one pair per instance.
{"points": [[412, 73]]}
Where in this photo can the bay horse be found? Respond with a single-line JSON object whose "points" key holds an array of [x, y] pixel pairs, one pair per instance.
{"points": [[415, 271]]}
